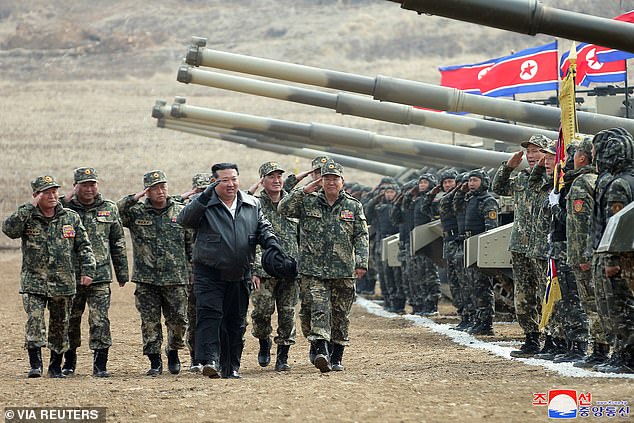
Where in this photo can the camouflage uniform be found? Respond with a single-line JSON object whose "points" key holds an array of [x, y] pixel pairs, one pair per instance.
{"points": [[48, 277], [333, 242], [162, 255], [378, 212], [451, 251], [105, 231], [526, 282], [481, 214], [276, 292], [426, 282], [580, 205], [468, 305], [613, 194]]}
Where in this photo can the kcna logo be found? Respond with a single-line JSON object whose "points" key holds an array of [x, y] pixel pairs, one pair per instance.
{"points": [[570, 404]]}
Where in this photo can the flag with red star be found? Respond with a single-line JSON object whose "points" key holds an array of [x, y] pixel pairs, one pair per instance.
{"points": [[530, 70], [590, 69]]}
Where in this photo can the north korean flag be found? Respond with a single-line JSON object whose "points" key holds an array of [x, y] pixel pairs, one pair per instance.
{"points": [[464, 77], [611, 55], [590, 69], [530, 70]]}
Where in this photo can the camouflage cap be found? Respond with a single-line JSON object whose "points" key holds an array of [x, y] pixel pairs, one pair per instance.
{"points": [[201, 180], [85, 174], [332, 168], [269, 167], [551, 148], [319, 161], [584, 146], [539, 140], [153, 177], [42, 183]]}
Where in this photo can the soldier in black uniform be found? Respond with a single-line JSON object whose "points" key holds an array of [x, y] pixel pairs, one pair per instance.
{"points": [[481, 214]]}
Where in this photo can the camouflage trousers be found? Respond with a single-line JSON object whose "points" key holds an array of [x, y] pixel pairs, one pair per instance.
{"points": [[97, 296], [602, 291], [191, 320], [280, 294], [585, 287], [452, 253], [171, 301], [424, 283], [332, 301], [482, 300], [394, 285], [305, 304], [570, 314], [527, 292], [407, 266], [58, 317], [619, 298]]}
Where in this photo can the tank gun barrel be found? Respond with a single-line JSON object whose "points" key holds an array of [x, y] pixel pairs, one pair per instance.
{"points": [[531, 17], [397, 90], [329, 134], [349, 104], [353, 162], [208, 130]]}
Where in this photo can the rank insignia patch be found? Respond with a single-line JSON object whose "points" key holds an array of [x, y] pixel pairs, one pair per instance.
{"points": [[577, 205], [103, 213]]}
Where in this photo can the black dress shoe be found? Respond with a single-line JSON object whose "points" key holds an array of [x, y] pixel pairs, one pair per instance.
{"points": [[211, 370]]}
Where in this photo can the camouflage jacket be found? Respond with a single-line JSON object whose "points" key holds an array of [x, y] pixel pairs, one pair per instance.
{"points": [[50, 249], [580, 206], [516, 187], [105, 231], [540, 186], [333, 239], [618, 193], [285, 228], [162, 248]]}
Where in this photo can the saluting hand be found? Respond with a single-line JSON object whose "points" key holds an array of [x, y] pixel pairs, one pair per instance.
{"points": [[542, 161], [515, 160], [359, 272], [36, 199], [312, 187], [141, 194], [85, 280]]}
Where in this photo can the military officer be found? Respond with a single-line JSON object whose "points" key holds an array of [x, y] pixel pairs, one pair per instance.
{"points": [[334, 249], [162, 251], [274, 292], [101, 219], [51, 235]]}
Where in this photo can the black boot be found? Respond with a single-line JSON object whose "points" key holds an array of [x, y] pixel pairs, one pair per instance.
{"points": [[464, 324], [194, 365], [578, 350], [555, 347], [173, 362], [336, 357], [55, 366], [35, 360], [483, 327], [529, 348], [312, 353], [599, 356], [616, 364], [322, 359], [70, 362], [156, 365], [99, 362], [281, 362], [264, 355]]}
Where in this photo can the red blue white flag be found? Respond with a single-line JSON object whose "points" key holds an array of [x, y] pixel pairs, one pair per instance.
{"points": [[612, 55], [590, 69], [464, 77], [530, 70]]}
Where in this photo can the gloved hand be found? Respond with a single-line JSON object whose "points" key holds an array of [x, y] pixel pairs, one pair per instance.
{"points": [[206, 194], [553, 198]]}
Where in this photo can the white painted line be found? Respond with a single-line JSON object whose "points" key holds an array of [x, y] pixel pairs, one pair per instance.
{"points": [[462, 338]]}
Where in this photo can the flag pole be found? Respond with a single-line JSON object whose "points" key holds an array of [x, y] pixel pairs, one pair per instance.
{"points": [[627, 94]]}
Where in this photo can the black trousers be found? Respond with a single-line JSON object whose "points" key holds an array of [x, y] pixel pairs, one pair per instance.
{"points": [[221, 310]]}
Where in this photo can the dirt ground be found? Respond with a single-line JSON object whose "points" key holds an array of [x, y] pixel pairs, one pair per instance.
{"points": [[395, 371]]}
